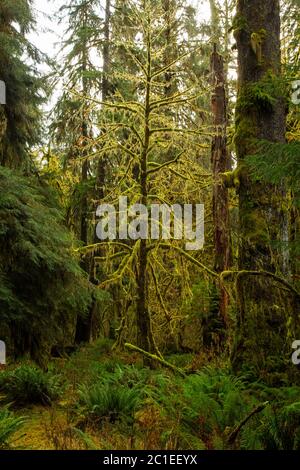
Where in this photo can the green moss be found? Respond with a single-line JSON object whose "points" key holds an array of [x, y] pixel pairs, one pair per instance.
{"points": [[245, 133], [254, 99], [239, 24], [231, 179], [262, 95], [257, 39], [255, 227]]}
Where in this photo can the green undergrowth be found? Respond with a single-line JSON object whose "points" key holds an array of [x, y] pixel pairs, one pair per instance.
{"points": [[104, 399], [28, 384], [9, 425]]}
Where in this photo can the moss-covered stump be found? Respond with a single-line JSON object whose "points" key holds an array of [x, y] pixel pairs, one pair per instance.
{"points": [[268, 322]]}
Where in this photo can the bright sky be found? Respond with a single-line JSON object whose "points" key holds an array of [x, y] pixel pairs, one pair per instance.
{"points": [[49, 31]]}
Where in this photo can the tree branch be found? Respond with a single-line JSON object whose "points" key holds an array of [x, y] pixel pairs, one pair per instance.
{"points": [[234, 434], [154, 357]]}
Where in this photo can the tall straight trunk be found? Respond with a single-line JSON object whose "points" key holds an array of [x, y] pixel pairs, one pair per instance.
{"points": [[168, 8], [87, 328], [145, 338], [102, 162], [85, 136], [84, 179], [83, 326], [143, 318], [101, 166], [227, 58], [215, 22], [258, 42], [219, 161], [265, 310]]}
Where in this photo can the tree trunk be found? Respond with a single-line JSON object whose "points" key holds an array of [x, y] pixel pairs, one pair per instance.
{"points": [[101, 166], [264, 309], [143, 319], [258, 41], [219, 162], [85, 327]]}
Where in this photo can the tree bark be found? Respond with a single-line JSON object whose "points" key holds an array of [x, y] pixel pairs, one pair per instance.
{"points": [[258, 42], [83, 325], [101, 166], [143, 317], [219, 161], [266, 315]]}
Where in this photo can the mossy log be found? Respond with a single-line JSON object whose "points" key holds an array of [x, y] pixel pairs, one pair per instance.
{"points": [[154, 357]]}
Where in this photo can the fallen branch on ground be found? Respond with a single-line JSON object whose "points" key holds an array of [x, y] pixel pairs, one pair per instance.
{"points": [[234, 434], [154, 357]]}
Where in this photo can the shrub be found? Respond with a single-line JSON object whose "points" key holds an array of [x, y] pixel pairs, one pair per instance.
{"points": [[278, 427], [109, 400], [203, 408], [30, 385], [9, 425]]}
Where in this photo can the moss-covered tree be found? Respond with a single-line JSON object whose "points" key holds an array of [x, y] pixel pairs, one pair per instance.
{"points": [[266, 314]]}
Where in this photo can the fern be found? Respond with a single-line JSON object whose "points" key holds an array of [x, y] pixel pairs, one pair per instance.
{"points": [[114, 402], [29, 385], [9, 425], [278, 427]]}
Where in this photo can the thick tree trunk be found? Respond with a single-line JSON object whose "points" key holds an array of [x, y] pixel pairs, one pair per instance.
{"points": [[144, 332], [84, 325], [258, 41], [265, 312], [85, 328], [84, 179]]}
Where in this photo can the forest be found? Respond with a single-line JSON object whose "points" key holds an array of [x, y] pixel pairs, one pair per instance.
{"points": [[150, 225]]}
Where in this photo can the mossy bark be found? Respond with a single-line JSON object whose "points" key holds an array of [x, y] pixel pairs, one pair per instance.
{"points": [[258, 116], [219, 160], [263, 309]]}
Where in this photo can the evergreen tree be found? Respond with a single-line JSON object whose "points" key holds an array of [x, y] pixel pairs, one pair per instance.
{"points": [[42, 288], [20, 118], [73, 117]]}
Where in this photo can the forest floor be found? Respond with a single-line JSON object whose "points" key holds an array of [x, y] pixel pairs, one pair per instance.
{"points": [[109, 401], [50, 428]]}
